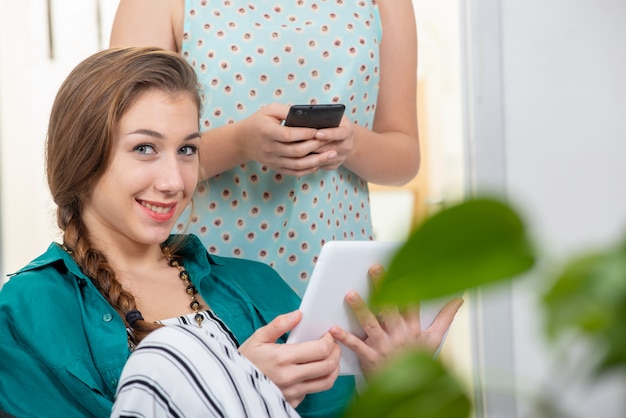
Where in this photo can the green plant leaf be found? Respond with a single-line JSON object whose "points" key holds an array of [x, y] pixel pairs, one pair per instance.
{"points": [[412, 385], [467, 245], [589, 298]]}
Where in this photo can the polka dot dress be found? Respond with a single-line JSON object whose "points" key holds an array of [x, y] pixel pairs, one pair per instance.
{"points": [[252, 53]]}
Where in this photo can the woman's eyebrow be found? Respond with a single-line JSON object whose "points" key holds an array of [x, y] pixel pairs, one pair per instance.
{"points": [[155, 134], [192, 136], [146, 132]]}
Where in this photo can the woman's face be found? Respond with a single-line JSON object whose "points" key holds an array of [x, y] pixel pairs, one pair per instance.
{"points": [[152, 173]]}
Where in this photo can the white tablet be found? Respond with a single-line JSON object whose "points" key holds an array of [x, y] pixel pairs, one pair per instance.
{"points": [[342, 266]]}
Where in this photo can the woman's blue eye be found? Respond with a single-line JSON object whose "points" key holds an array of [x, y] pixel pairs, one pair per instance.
{"points": [[145, 149], [188, 150]]}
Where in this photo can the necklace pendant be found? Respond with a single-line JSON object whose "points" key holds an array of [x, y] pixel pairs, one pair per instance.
{"points": [[199, 318]]}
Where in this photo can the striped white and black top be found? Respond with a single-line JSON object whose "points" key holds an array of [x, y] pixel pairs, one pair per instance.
{"points": [[181, 370]]}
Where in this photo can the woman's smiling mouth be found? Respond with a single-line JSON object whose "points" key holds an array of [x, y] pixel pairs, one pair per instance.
{"points": [[159, 212], [156, 208]]}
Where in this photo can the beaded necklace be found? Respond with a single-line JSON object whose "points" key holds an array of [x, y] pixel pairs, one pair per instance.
{"points": [[195, 305], [134, 315]]}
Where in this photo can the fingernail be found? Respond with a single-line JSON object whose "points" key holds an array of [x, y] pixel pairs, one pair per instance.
{"points": [[377, 270]]}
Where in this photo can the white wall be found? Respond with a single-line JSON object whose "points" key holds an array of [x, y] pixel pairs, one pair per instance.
{"points": [[564, 103], [36, 54]]}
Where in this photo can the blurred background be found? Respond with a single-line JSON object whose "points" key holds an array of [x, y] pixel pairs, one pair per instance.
{"points": [[526, 100]]}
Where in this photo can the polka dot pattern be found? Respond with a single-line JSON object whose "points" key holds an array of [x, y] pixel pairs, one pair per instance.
{"points": [[248, 54]]}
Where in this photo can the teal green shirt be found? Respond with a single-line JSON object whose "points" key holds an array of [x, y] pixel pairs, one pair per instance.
{"points": [[63, 347]]}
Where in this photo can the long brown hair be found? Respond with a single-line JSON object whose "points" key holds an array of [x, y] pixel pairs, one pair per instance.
{"points": [[83, 123]]}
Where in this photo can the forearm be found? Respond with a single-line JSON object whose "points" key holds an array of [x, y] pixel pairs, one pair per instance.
{"points": [[220, 150], [389, 158]]}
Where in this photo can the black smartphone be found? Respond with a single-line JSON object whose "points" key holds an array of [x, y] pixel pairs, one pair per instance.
{"points": [[316, 116]]}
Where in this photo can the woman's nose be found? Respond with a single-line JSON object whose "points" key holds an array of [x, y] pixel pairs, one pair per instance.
{"points": [[169, 177]]}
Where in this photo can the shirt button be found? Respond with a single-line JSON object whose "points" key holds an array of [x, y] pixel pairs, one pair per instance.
{"points": [[114, 382], [107, 317]]}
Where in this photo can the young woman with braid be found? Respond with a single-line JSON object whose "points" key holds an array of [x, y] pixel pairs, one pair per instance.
{"points": [[121, 311]]}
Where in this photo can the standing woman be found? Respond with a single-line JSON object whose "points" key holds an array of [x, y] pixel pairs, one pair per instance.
{"points": [[272, 193]]}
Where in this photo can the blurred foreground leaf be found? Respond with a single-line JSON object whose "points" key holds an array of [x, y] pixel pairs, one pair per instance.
{"points": [[470, 244], [589, 297], [413, 385]]}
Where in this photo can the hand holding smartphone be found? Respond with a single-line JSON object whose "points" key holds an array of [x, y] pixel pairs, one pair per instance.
{"points": [[318, 116]]}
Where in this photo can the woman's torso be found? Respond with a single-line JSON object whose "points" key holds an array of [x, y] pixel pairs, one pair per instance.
{"points": [[81, 375], [249, 54]]}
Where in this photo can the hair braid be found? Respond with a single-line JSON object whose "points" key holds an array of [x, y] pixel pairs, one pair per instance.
{"points": [[95, 265]]}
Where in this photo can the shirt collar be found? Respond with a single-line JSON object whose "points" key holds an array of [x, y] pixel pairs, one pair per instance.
{"points": [[191, 249], [55, 254]]}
